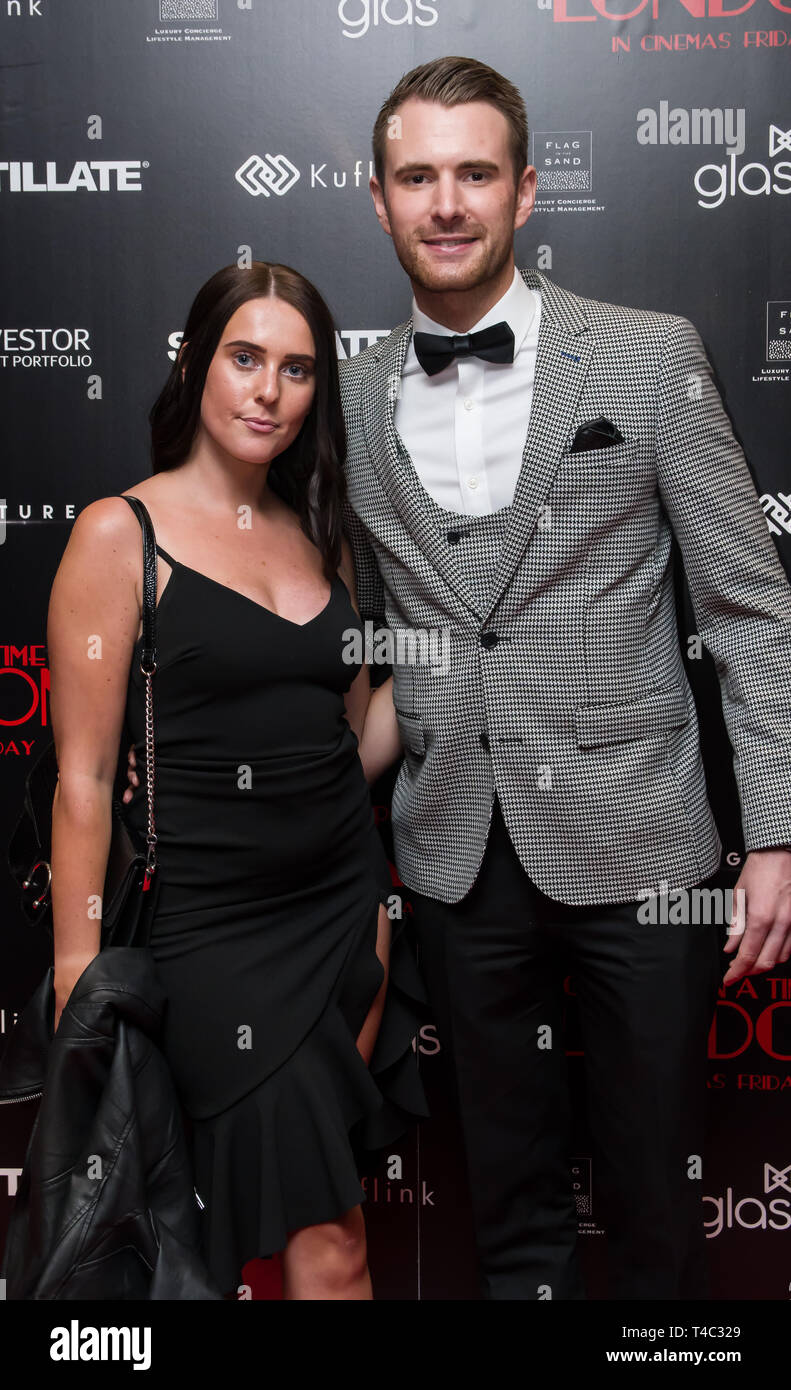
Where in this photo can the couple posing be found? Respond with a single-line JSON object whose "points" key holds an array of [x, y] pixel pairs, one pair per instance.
{"points": [[510, 465]]}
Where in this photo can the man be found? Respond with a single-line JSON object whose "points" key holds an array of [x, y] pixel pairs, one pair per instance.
{"points": [[519, 459]]}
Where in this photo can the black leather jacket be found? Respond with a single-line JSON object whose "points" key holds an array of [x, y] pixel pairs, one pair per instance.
{"points": [[105, 1207]]}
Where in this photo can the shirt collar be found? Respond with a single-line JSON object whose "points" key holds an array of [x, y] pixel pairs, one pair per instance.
{"points": [[517, 307]]}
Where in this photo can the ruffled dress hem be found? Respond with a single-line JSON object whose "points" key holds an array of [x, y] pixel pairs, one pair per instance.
{"points": [[288, 1154]]}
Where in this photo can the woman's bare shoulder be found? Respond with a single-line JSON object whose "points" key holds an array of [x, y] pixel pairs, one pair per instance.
{"points": [[107, 528]]}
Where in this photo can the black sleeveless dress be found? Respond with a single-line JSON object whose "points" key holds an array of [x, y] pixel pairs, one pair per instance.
{"points": [[271, 874]]}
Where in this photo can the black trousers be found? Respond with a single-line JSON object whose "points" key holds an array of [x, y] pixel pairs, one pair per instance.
{"points": [[494, 965]]}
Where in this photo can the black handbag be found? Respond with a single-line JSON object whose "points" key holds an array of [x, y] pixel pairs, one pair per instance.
{"points": [[131, 884]]}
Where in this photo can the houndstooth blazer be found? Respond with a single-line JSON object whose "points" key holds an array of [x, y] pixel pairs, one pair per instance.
{"points": [[566, 690]]}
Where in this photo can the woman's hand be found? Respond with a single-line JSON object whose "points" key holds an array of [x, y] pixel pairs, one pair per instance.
{"points": [[131, 775], [381, 741]]}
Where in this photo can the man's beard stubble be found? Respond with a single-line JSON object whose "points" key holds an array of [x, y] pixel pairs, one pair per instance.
{"points": [[468, 277]]}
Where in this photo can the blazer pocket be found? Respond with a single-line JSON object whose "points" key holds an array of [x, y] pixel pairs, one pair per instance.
{"points": [[651, 714], [596, 458], [411, 729]]}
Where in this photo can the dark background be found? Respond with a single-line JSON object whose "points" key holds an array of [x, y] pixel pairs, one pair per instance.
{"points": [[190, 90]]}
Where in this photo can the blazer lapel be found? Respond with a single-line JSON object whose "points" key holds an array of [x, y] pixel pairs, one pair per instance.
{"points": [[393, 465], [565, 348]]}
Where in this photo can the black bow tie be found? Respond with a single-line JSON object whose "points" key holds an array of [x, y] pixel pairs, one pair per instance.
{"points": [[435, 351]]}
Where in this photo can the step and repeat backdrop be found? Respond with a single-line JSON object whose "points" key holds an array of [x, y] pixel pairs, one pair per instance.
{"points": [[146, 143]]}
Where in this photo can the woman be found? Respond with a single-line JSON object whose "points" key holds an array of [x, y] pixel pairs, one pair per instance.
{"points": [[270, 933]]}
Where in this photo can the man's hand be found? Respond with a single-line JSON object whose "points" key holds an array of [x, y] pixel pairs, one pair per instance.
{"points": [[766, 939], [131, 776]]}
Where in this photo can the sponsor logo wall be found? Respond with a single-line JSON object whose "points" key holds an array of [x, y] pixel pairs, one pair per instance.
{"points": [[143, 146]]}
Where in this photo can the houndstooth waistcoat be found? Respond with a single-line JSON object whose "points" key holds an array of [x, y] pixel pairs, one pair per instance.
{"points": [[565, 689]]}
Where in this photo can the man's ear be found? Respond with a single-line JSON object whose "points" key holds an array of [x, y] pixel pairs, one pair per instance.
{"points": [[378, 196], [525, 195]]}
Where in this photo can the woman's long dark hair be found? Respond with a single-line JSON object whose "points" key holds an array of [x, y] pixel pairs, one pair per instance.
{"points": [[308, 475]]}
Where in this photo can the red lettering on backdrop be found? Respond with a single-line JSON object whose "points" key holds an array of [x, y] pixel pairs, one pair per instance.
{"points": [[560, 16], [611, 14], [699, 9], [746, 986], [726, 1056], [717, 9], [762, 1030], [23, 656], [39, 693]]}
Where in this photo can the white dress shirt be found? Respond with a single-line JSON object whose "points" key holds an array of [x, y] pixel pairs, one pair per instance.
{"points": [[465, 427]]}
